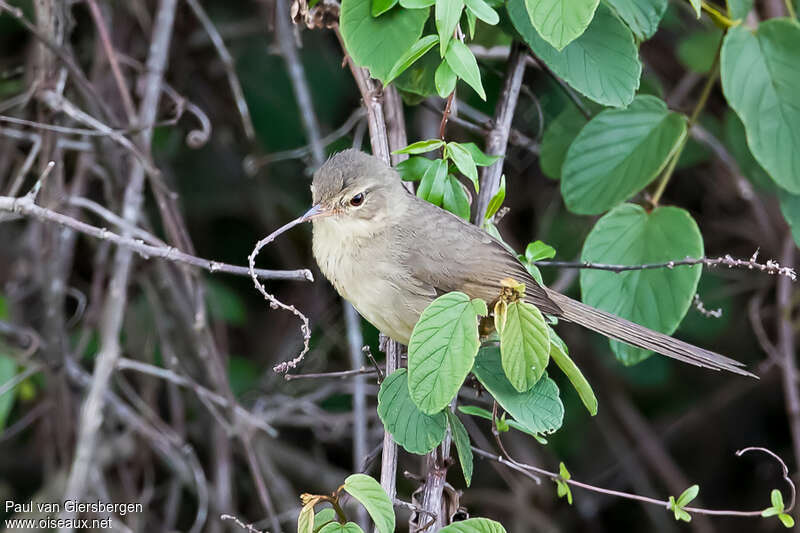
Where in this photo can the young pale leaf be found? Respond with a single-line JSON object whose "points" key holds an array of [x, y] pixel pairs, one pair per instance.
{"points": [[474, 410], [560, 22], [417, 50], [463, 160], [697, 5], [445, 80], [412, 429], [688, 495], [658, 299], [557, 138], [455, 198], [598, 174], [417, 4], [421, 147], [538, 410], [481, 159], [776, 498], [474, 525], [562, 487], [370, 494], [447, 13], [524, 345], [483, 11], [442, 349], [379, 7], [463, 63], [377, 43], [560, 354], [305, 522], [786, 520], [537, 251], [324, 517], [413, 168], [336, 527], [461, 438], [602, 64], [433, 183], [761, 81], [497, 200], [641, 16], [471, 22]]}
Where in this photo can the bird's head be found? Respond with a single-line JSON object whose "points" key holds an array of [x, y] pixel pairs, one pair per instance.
{"points": [[354, 190]]}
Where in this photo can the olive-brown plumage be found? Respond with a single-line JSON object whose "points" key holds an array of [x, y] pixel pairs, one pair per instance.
{"points": [[390, 254]]}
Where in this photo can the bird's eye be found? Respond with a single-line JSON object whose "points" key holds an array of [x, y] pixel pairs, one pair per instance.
{"points": [[357, 200]]}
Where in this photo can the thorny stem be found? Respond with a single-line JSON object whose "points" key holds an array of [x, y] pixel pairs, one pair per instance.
{"points": [[645, 499], [446, 114], [698, 108]]}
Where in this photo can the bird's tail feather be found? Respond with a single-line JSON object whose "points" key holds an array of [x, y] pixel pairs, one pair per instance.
{"points": [[623, 330]]}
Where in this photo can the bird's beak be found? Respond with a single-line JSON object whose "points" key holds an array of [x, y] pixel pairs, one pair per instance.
{"points": [[317, 211]]}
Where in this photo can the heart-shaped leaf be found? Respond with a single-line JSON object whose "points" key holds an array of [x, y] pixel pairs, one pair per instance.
{"points": [[560, 22]]}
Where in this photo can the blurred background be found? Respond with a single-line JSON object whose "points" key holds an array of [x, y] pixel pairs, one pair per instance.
{"points": [[196, 422]]}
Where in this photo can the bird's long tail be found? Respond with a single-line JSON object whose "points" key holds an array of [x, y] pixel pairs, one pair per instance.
{"points": [[623, 330]]}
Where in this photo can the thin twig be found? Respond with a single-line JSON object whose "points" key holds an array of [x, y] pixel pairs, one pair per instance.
{"points": [[497, 137], [332, 375], [770, 267], [25, 206], [228, 65]]}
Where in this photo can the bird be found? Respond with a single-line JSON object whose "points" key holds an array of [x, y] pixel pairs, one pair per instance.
{"points": [[390, 254]]}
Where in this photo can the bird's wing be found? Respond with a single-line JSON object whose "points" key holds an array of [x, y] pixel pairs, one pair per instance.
{"points": [[453, 255]]}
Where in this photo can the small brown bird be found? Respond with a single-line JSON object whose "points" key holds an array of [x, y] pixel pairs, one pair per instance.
{"points": [[390, 254]]}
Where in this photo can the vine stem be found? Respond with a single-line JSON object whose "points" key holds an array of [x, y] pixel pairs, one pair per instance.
{"points": [[698, 108], [645, 499], [790, 9]]}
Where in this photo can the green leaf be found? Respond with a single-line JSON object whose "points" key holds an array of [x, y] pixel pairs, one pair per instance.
{"points": [[761, 82], [538, 410], [524, 345], [697, 5], [442, 349], [421, 147], [497, 200], [602, 64], [445, 80], [8, 369], [417, 4], [416, 82], [463, 63], [463, 160], [474, 410], [377, 43], [563, 489], [688, 495], [738, 9], [697, 50], [641, 16], [771, 511], [413, 168], [455, 198], [471, 22], [483, 11], [433, 183], [323, 517], [412, 429], [461, 438], [537, 251], [560, 354], [658, 298], [336, 527], [618, 153], [370, 494], [786, 520], [447, 13], [474, 525], [481, 159], [777, 500], [560, 22], [736, 140], [417, 50], [379, 7], [557, 138]]}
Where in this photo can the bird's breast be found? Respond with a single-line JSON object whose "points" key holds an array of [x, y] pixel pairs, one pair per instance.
{"points": [[363, 272]]}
